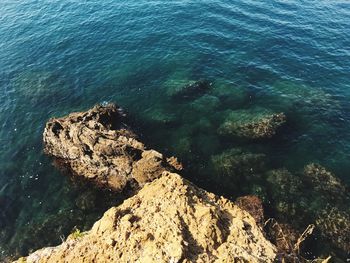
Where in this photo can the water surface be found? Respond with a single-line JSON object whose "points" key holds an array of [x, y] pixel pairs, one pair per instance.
{"points": [[62, 56]]}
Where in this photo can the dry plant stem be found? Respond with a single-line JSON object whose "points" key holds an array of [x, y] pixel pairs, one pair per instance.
{"points": [[307, 232]]}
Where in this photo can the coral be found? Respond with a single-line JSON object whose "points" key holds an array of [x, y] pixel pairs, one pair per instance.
{"points": [[252, 124], [169, 220]]}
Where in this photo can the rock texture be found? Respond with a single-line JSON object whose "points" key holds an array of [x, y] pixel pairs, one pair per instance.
{"points": [[252, 124], [98, 145], [169, 220]]}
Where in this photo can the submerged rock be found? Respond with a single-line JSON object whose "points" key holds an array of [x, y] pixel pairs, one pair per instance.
{"points": [[324, 181], [252, 124], [286, 193], [192, 90], [315, 196], [236, 162], [98, 145], [235, 169], [334, 224], [158, 116], [205, 104], [169, 220], [232, 96]]}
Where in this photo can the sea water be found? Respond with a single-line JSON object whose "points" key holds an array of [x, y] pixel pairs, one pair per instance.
{"points": [[60, 56]]}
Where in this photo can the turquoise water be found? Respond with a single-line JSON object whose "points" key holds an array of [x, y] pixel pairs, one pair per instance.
{"points": [[62, 56]]}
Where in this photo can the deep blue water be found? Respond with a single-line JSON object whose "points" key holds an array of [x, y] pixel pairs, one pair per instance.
{"points": [[59, 56]]}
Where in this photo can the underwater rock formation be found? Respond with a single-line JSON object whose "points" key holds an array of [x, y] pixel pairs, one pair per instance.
{"points": [[332, 198], [315, 196], [206, 104], [169, 220], [158, 116], [98, 145], [286, 192], [236, 168], [190, 91], [324, 181], [236, 162], [252, 124], [230, 95], [334, 224]]}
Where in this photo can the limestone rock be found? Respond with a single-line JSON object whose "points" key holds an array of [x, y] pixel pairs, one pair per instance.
{"points": [[169, 220], [98, 145]]}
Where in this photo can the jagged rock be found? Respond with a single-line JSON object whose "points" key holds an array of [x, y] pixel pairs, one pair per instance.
{"points": [[253, 205], [252, 124], [98, 145], [190, 91], [169, 220]]}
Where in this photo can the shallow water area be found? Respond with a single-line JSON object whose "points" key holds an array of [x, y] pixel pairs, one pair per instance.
{"points": [[255, 58]]}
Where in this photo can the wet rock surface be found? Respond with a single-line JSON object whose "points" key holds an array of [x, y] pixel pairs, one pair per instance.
{"points": [[99, 146], [169, 220]]}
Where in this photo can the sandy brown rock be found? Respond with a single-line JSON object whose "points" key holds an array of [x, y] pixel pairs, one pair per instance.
{"points": [[169, 220], [98, 145]]}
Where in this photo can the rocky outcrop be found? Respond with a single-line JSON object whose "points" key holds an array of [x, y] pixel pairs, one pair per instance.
{"points": [[99, 146], [252, 124], [169, 220]]}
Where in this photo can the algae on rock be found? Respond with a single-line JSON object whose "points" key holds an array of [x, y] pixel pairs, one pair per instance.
{"points": [[254, 123]]}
